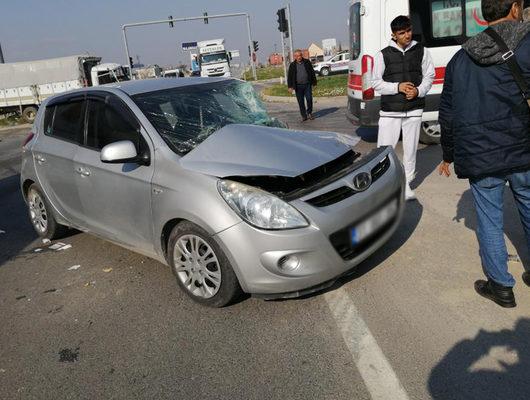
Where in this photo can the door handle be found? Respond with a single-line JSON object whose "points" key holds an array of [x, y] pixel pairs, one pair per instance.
{"points": [[82, 171]]}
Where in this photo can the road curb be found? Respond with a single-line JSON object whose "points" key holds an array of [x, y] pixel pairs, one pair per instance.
{"points": [[285, 99], [5, 128]]}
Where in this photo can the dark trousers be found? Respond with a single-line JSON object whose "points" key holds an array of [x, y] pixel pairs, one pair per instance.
{"points": [[305, 91]]}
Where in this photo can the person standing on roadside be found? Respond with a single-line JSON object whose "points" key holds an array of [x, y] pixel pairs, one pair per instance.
{"points": [[403, 75], [485, 124], [300, 80]]}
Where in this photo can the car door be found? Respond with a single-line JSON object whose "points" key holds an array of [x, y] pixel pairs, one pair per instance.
{"points": [[116, 198], [54, 154]]}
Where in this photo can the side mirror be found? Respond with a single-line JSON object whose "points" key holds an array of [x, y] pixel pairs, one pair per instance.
{"points": [[119, 152]]}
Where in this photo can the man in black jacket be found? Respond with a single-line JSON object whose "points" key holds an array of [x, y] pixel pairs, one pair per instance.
{"points": [[485, 125], [300, 80]]}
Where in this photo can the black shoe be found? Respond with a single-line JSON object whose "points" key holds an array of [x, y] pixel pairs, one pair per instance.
{"points": [[311, 117], [303, 119], [526, 278], [501, 295]]}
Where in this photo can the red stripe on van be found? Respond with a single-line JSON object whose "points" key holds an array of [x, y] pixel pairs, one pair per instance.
{"points": [[439, 76], [355, 82]]}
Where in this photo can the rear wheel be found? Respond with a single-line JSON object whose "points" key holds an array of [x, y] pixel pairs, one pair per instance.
{"points": [[324, 71], [200, 266], [41, 215], [430, 132], [29, 114]]}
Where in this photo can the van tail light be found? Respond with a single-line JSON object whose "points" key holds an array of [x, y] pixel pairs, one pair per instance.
{"points": [[28, 139], [367, 66]]}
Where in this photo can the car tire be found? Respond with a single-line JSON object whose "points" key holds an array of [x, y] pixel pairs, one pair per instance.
{"points": [[324, 71], [29, 114], [430, 132], [201, 268], [41, 215]]}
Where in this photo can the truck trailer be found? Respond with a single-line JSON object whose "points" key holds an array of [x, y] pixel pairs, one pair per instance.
{"points": [[25, 85]]}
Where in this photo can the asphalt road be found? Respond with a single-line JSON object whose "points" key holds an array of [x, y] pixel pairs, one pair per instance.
{"points": [[407, 325]]}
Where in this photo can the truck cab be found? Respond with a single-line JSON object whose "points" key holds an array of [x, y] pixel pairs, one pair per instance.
{"points": [[107, 73], [213, 59]]}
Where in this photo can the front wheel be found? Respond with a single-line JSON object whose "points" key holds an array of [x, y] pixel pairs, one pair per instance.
{"points": [[200, 266], [41, 215], [430, 132], [324, 71]]}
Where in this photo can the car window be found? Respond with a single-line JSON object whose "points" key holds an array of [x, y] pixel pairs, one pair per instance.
{"points": [[108, 122], [65, 121]]}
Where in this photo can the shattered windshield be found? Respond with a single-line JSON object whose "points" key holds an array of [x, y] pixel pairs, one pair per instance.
{"points": [[185, 116]]}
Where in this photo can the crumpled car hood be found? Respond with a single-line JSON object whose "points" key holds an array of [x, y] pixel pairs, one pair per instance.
{"points": [[253, 150]]}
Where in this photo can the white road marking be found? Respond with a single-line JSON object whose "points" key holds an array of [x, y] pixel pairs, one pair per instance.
{"points": [[377, 373]]}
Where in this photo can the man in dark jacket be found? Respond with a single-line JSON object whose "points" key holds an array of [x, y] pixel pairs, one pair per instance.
{"points": [[300, 80], [485, 125]]}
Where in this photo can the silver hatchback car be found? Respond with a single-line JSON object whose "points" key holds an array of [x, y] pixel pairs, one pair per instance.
{"points": [[195, 174]]}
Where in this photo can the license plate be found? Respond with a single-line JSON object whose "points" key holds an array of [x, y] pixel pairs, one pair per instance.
{"points": [[368, 227]]}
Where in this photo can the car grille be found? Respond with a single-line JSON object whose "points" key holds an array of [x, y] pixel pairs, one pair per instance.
{"points": [[341, 240], [379, 170], [332, 197], [344, 192]]}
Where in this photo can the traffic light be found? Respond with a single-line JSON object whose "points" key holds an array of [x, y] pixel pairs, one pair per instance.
{"points": [[131, 62], [171, 21], [256, 45], [205, 19], [249, 51], [282, 20]]}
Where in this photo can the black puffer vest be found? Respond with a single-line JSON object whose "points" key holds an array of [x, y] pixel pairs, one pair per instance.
{"points": [[402, 67]]}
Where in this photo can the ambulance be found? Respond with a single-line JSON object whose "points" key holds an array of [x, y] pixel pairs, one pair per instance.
{"points": [[442, 26]]}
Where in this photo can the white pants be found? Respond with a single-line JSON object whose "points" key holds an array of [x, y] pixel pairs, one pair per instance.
{"points": [[389, 131]]}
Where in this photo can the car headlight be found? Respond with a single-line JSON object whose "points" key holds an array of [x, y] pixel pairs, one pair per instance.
{"points": [[260, 208]]}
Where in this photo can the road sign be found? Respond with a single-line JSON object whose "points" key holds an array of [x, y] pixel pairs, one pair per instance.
{"points": [[189, 46]]}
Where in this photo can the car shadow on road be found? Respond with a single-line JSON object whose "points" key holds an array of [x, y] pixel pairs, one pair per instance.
{"points": [[15, 224], [411, 219], [512, 225], [491, 366], [14, 220]]}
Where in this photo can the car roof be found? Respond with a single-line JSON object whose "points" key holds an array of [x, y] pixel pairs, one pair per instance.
{"points": [[138, 86], [151, 85]]}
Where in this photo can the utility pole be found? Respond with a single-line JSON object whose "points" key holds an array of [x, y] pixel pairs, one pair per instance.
{"points": [[284, 61], [290, 26], [1, 55]]}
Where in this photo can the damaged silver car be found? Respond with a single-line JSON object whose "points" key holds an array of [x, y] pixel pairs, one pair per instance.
{"points": [[195, 173]]}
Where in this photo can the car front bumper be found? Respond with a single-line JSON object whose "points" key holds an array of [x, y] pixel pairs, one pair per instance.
{"points": [[322, 258]]}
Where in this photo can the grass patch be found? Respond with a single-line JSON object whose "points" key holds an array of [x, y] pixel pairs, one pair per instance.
{"points": [[265, 72], [10, 120], [328, 86]]}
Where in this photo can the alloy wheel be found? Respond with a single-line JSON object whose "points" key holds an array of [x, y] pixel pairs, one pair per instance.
{"points": [[197, 266], [37, 211]]}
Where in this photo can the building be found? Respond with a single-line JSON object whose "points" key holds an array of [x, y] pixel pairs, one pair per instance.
{"points": [[329, 46], [315, 53]]}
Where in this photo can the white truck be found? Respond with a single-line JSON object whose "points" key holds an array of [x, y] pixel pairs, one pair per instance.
{"points": [[24, 85], [213, 58]]}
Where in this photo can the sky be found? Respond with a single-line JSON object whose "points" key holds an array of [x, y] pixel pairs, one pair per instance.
{"points": [[38, 29]]}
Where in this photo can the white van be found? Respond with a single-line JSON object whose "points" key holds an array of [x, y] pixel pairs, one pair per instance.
{"points": [[441, 25]]}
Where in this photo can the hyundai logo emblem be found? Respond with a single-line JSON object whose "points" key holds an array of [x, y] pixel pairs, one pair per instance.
{"points": [[362, 181]]}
